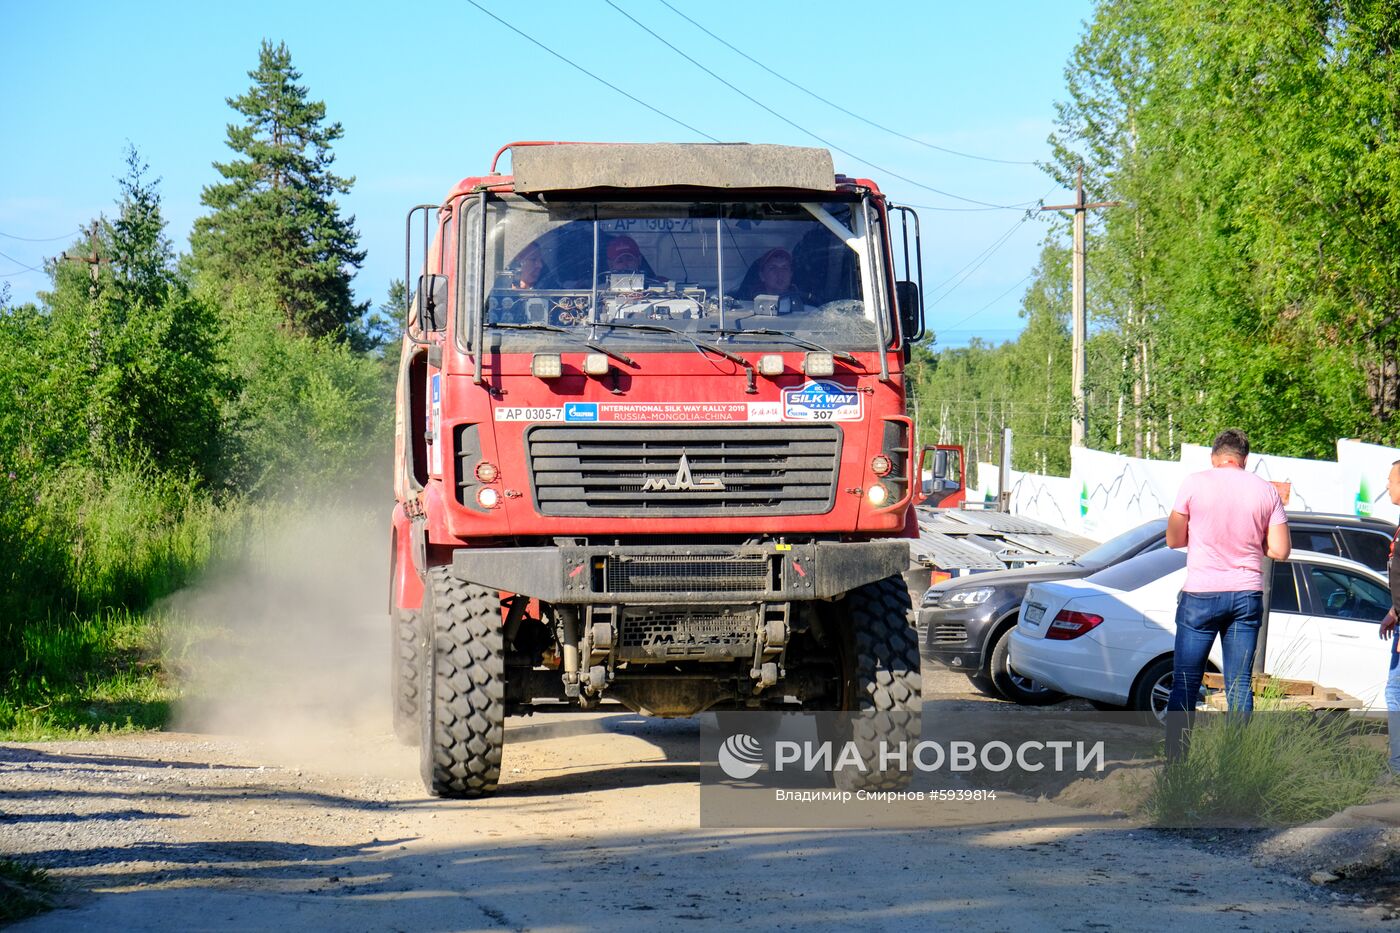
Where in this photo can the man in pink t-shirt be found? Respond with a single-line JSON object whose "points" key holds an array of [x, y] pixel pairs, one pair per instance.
{"points": [[1228, 520]]}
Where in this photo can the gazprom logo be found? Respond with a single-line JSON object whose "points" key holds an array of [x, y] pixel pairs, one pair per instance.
{"points": [[581, 411]]}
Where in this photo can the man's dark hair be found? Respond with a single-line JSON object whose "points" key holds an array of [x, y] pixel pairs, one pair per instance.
{"points": [[1231, 441]]}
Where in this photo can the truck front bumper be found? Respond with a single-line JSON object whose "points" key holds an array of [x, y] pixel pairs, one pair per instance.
{"points": [[674, 574]]}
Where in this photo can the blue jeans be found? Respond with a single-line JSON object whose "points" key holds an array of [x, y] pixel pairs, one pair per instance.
{"points": [[1234, 616], [1392, 704]]}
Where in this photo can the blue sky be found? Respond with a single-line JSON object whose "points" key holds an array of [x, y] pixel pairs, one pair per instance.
{"points": [[427, 92]]}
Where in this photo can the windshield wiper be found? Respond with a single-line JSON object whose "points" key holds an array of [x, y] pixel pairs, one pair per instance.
{"points": [[841, 355], [556, 329], [700, 347]]}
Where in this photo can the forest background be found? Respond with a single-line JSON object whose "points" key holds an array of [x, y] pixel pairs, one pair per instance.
{"points": [[1250, 277], [155, 406]]}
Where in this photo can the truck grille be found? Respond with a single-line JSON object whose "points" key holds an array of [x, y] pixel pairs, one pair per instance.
{"points": [[727, 469], [692, 574]]}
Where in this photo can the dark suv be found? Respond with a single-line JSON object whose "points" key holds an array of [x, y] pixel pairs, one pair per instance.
{"points": [[963, 622]]}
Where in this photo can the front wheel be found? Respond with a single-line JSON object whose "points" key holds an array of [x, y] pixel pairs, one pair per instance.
{"points": [[882, 681], [462, 678], [1015, 686]]}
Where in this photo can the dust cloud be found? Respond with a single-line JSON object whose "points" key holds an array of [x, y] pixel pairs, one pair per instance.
{"points": [[286, 641]]}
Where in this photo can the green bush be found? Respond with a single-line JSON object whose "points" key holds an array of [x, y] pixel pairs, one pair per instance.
{"points": [[24, 891], [309, 409]]}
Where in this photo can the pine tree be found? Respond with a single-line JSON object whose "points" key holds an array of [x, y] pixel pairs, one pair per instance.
{"points": [[134, 354], [276, 227]]}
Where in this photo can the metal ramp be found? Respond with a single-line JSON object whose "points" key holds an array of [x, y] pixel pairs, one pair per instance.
{"points": [[963, 540]]}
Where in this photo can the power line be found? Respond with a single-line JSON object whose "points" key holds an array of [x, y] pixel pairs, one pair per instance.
{"points": [[797, 126], [849, 113], [42, 239], [979, 263], [931, 207], [986, 252], [1028, 275], [575, 65], [983, 256], [25, 266]]}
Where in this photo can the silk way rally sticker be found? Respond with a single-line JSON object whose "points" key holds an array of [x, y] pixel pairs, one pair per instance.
{"points": [[821, 401]]}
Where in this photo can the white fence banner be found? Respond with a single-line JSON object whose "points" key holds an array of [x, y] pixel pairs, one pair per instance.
{"points": [[1306, 485], [1106, 494], [1370, 464]]}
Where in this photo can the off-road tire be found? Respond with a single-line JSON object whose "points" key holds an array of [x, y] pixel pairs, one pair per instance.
{"points": [[403, 670], [999, 670], [463, 675], [883, 681]]}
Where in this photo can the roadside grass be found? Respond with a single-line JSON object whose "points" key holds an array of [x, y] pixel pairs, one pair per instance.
{"points": [[24, 891], [98, 670], [82, 652], [78, 677], [1281, 767]]}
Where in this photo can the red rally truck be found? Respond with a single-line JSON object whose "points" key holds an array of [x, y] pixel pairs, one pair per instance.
{"points": [[652, 446]]}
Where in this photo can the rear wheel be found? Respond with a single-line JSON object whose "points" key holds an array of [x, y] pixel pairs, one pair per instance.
{"points": [[1015, 686], [403, 671], [1153, 689], [879, 651], [462, 672]]}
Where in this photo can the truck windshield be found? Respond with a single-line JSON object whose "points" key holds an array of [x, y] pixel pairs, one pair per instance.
{"points": [[714, 270]]}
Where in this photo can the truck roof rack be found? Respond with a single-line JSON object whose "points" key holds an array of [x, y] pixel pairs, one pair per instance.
{"points": [[568, 166]]}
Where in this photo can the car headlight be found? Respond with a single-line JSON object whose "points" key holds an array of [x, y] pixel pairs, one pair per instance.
{"points": [[975, 597]]}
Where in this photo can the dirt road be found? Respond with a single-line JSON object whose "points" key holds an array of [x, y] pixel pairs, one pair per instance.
{"points": [[596, 826], [321, 823]]}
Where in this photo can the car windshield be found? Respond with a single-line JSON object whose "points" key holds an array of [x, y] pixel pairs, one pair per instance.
{"points": [[1139, 571], [1129, 542], [740, 273]]}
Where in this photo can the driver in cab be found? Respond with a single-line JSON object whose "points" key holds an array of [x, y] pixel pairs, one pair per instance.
{"points": [[769, 284], [626, 269]]}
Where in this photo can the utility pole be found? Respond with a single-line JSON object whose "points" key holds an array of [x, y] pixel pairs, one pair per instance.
{"points": [[1078, 324], [93, 259]]}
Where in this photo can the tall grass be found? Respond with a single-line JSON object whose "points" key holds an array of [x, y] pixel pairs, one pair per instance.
{"points": [[102, 514], [1281, 767], [73, 657]]}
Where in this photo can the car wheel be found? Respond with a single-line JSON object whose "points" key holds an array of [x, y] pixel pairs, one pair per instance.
{"points": [[1153, 689], [1015, 686], [983, 684]]}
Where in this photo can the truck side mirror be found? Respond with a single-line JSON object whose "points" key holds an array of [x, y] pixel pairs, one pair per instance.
{"points": [[430, 302], [911, 312]]}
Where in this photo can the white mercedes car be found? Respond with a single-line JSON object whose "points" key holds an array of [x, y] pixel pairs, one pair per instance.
{"points": [[1109, 637]]}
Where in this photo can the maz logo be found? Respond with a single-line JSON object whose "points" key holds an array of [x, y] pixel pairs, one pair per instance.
{"points": [[682, 481]]}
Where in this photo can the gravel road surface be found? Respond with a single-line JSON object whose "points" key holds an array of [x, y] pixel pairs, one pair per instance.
{"points": [[596, 826]]}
